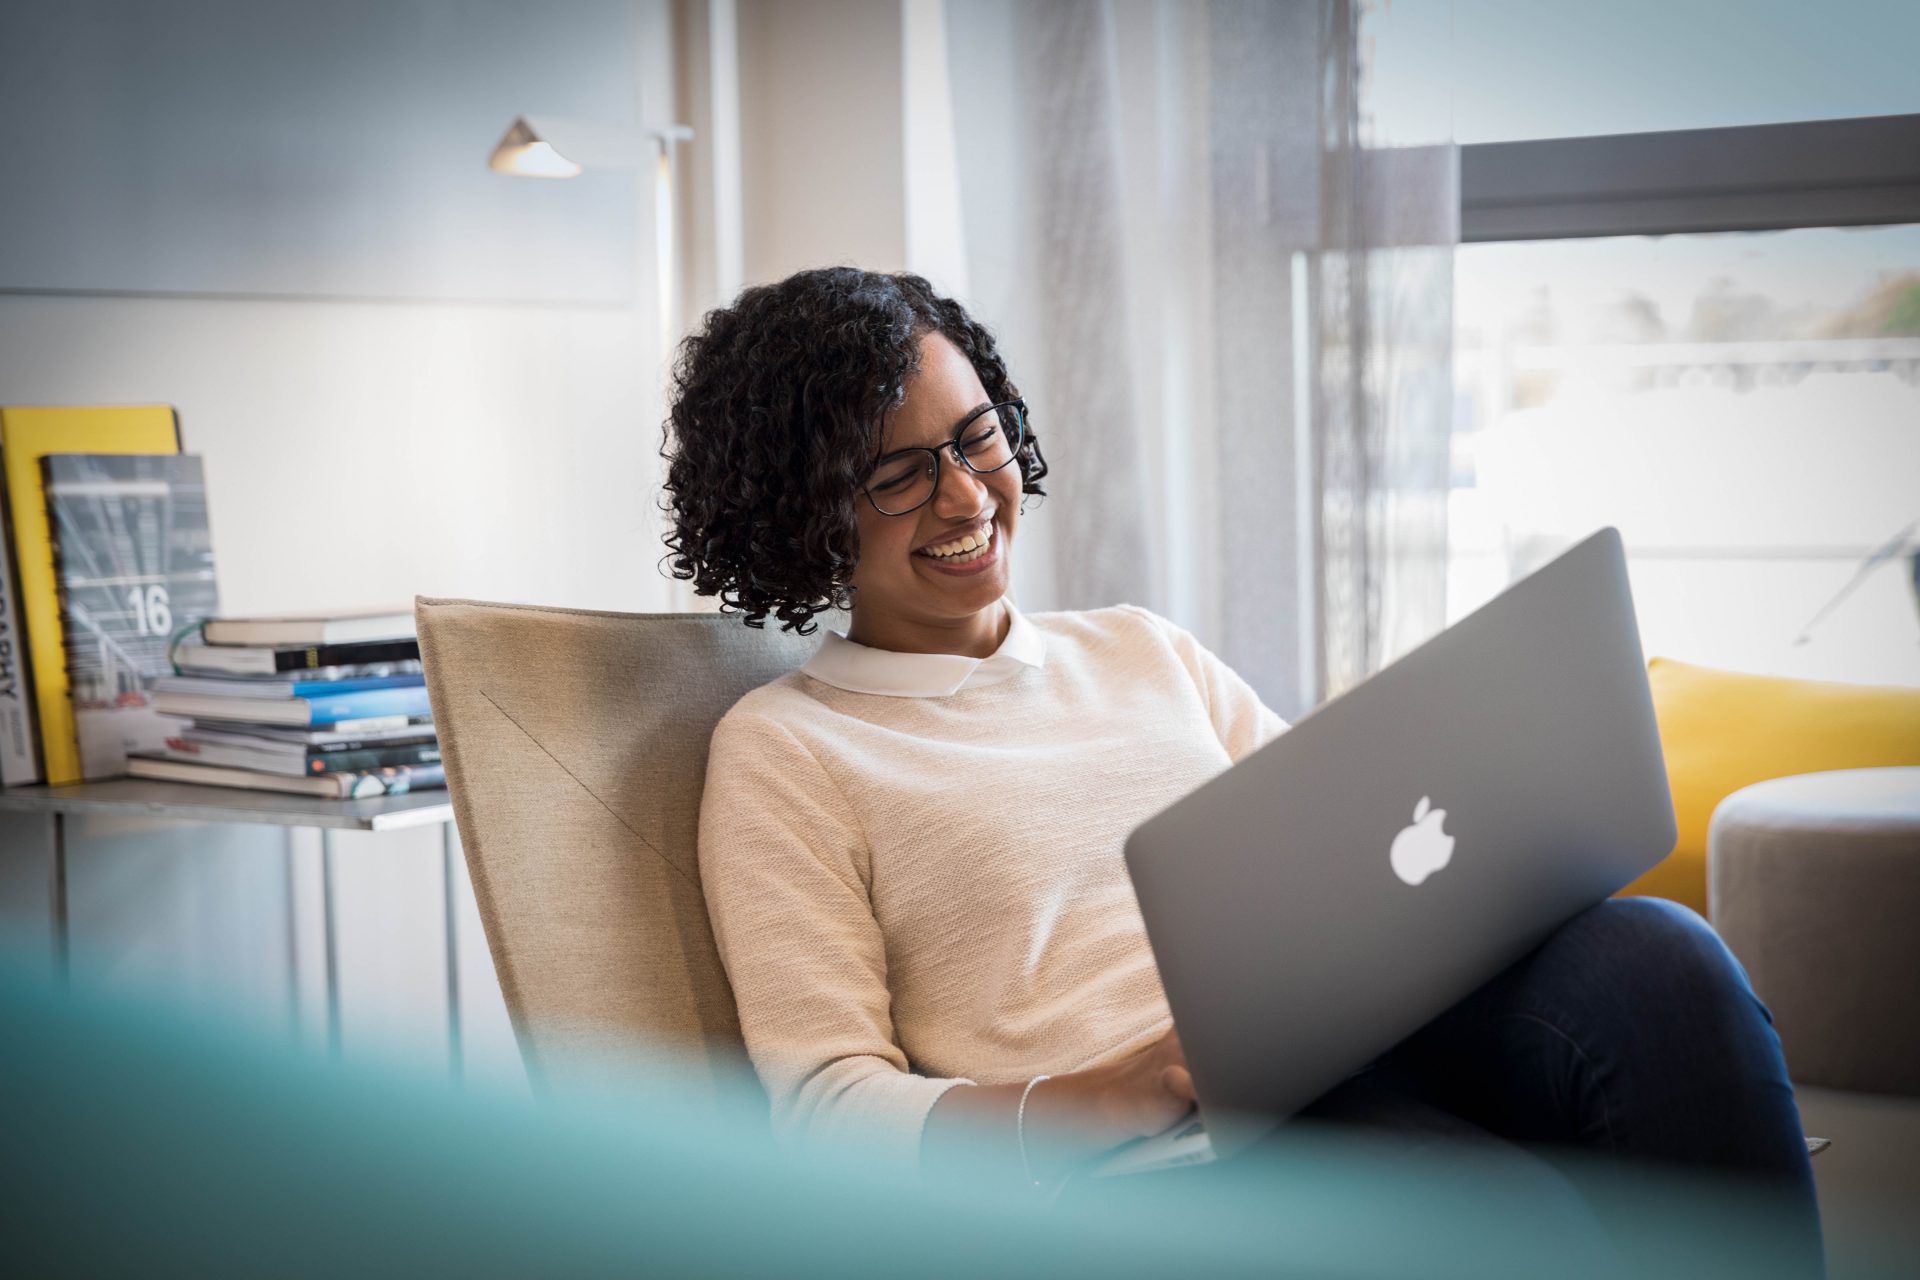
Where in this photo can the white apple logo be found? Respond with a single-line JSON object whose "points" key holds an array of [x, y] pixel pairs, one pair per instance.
{"points": [[1423, 848]]}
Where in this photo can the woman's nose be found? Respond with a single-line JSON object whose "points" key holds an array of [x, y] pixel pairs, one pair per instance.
{"points": [[961, 492]]}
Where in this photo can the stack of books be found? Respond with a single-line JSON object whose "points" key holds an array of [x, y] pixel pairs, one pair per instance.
{"points": [[315, 706], [106, 566]]}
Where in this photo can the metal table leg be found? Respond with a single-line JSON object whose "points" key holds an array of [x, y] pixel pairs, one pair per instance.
{"points": [[293, 934], [331, 940], [57, 896], [450, 908]]}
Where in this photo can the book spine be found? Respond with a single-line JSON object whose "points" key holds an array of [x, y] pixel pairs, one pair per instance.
{"points": [[363, 684], [349, 761], [241, 662], [370, 723], [39, 605], [367, 704], [255, 687], [395, 781], [378, 744], [416, 777], [251, 660], [315, 657], [255, 665], [59, 731], [287, 633], [19, 734]]}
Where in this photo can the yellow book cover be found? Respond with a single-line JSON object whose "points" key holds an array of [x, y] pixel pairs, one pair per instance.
{"points": [[26, 436]]}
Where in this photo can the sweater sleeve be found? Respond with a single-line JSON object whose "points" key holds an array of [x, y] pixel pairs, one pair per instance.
{"points": [[785, 871], [1242, 722]]}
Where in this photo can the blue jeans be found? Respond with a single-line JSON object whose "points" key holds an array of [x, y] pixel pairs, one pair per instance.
{"points": [[1629, 1038]]}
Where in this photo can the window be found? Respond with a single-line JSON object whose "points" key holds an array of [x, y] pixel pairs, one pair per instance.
{"points": [[1744, 406], [1688, 304]]}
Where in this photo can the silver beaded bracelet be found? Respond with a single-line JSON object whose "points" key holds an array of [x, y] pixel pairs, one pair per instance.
{"points": [[1020, 1130]]}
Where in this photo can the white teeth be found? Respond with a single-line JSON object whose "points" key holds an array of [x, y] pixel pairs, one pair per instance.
{"points": [[962, 549], [964, 557]]}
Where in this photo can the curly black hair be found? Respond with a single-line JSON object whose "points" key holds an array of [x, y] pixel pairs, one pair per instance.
{"points": [[778, 404]]}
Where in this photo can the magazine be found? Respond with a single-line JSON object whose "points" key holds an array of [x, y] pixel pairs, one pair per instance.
{"points": [[133, 560]]}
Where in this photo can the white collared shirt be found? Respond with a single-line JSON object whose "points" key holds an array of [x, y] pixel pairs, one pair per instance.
{"points": [[860, 668]]}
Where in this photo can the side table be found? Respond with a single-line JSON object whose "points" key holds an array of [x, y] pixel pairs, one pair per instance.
{"points": [[187, 802]]}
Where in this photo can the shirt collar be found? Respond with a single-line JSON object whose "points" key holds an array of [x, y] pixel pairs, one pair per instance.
{"points": [[859, 668]]}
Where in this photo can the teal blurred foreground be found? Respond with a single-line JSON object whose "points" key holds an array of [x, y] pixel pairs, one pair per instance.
{"points": [[136, 1142]]}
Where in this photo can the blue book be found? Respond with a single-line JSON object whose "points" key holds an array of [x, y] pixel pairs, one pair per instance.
{"points": [[254, 687], [366, 704]]}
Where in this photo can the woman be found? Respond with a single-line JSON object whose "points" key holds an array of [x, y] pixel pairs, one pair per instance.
{"points": [[911, 848]]}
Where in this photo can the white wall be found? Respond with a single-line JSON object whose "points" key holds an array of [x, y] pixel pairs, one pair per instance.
{"points": [[359, 453], [284, 147], [822, 153]]}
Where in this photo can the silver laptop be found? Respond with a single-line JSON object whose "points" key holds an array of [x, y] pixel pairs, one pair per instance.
{"points": [[1337, 889]]}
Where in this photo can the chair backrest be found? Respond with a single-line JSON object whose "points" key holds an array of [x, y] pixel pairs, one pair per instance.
{"points": [[575, 745]]}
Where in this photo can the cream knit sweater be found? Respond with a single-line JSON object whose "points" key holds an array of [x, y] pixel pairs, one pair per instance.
{"points": [[915, 892]]}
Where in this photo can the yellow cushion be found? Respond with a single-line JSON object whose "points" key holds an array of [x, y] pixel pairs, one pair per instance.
{"points": [[1722, 731]]}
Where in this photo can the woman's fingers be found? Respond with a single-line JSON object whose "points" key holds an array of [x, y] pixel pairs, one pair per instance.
{"points": [[1170, 1051], [1178, 1081]]}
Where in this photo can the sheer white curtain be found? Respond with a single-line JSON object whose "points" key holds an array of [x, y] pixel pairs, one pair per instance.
{"points": [[1231, 318]]}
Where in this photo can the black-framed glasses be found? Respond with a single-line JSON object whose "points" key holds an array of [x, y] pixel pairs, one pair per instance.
{"points": [[990, 439]]}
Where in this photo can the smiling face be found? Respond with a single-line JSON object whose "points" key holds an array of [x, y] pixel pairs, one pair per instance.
{"points": [[907, 599]]}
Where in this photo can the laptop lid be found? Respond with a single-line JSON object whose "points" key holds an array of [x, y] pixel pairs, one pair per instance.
{"points": [[1396, 848]]}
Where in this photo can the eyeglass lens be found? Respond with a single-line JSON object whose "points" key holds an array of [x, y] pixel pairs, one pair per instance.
{"points": [[987, 443]]}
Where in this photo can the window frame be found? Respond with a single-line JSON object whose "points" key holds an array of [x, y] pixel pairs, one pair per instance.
{"points": [[1863, 171]]}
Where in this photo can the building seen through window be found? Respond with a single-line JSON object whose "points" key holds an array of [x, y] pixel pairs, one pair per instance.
{"points": [[1745, 407]]}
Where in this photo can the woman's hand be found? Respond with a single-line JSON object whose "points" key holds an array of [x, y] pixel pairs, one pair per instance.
{"points": [[1073, 1118], [1140, 1094], [1069, 1118]]}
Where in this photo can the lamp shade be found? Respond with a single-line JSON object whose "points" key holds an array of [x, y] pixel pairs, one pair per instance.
{"points": [[560, 147]]}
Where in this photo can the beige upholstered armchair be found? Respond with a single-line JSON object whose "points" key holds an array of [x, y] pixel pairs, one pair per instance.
{"points": [[576, 749]]}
